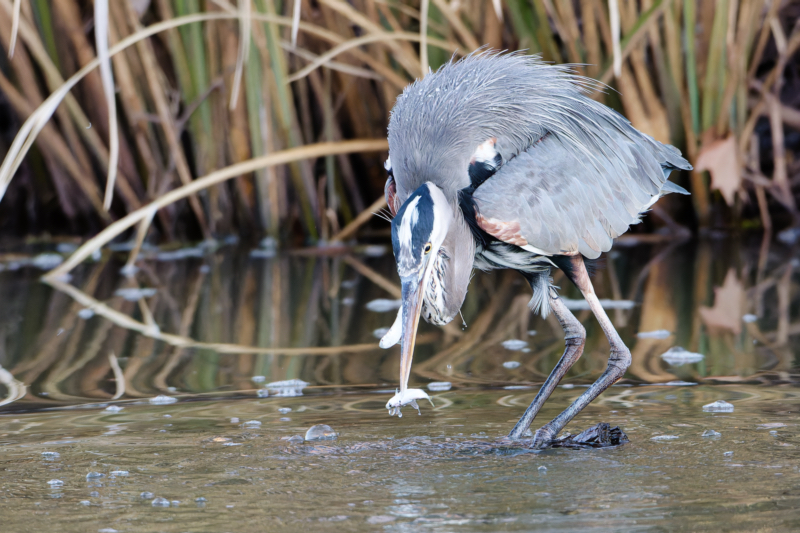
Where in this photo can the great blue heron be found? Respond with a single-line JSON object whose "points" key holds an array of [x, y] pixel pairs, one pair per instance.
{"points": [[503, 161]]}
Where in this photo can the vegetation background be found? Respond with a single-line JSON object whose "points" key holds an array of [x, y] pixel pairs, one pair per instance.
{"points": [[204, 85]]}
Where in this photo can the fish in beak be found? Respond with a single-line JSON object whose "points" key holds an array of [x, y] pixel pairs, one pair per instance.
{"points": [[418, 230], [405, 330]]}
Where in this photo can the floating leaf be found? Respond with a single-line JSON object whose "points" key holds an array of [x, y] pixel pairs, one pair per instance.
{"points": [[728, 300]]}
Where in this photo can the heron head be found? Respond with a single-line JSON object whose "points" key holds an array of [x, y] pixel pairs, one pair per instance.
{"points": [[418, 230]]}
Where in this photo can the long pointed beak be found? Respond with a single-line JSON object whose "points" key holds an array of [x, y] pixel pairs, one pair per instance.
{"points": [[412, 287]]}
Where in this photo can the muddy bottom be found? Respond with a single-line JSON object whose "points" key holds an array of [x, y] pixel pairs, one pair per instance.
{"points": [[242, 465]]}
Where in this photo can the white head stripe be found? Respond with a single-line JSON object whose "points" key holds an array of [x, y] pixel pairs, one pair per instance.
{"points": [[410, 218]]}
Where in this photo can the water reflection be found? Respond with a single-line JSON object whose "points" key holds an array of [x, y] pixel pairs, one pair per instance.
{"points": [[211, 323]]}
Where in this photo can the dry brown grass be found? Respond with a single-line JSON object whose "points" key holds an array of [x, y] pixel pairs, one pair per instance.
{"points": [[207, 85]]}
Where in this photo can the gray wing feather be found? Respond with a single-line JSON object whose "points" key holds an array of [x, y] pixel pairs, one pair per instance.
{"points": [[565, 202]]}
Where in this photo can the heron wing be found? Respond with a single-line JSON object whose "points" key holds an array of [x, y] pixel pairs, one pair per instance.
{"points": [[556, 200]]}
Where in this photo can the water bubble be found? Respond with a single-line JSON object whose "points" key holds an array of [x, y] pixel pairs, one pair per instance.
{"points": [[85, 503], [262, 393], [94, 475], [262, 254], [583, 305], [252, 424], [258, 379], [55, 483], [47, 261], [374, 250], [748, 318], [711, 433], [51, 455], [146, 495], [532, 332], [286, 388], [168, 416], [380, 519], [380, 333], [789, 236], [113, 409], [773, 433], [382, 305], [160, 502], [664, 437], [720, 406], [657, 334], [86, 313], [295, 439], [119, 473], [284, 410], [728, 454], [66, 247], [514, 344], [542, 469], [511, 364], [134, 294], [677, 356], [176, 503], [321, 432], [234, 420], [161, 399], [439, 386], [349, 283]]}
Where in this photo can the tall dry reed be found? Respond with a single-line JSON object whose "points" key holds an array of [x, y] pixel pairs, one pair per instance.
{"points": [[161, 92]]}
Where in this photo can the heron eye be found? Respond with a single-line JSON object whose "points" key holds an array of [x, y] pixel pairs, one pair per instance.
{"points": [[428, 248]]}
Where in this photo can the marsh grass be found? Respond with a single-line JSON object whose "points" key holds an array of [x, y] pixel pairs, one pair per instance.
{"points": [[200, 86]]}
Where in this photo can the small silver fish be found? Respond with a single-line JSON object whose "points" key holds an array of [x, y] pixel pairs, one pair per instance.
{"points": [[406, 397]]}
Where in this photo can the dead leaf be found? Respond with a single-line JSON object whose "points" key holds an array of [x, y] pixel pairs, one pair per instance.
{"points": [[727, 310], [721, 160]]}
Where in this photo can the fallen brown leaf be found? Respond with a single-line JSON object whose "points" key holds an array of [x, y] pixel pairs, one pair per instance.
{"points": [[721, 160]]}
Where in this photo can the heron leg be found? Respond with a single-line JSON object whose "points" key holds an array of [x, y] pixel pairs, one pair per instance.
{"points": [[575, 338], [619, 359]]}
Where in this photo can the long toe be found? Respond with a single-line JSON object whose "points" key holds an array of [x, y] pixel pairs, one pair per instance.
{"points": [[542, 438]]}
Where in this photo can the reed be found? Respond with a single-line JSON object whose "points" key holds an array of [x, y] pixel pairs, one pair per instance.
{"points": [[183, 88]]}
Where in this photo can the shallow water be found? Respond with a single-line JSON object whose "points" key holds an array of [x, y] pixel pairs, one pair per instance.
{"points": [[441, 471]]}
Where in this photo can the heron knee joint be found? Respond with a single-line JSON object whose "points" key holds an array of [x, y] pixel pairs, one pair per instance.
{"points": [[575, 331], [574, 340], [619, 361]]}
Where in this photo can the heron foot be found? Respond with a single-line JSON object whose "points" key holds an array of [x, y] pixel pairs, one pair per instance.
{"points": [[542, 438]]}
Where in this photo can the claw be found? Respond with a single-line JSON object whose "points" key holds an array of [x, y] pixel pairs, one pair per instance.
{"points": [[542, 439]]}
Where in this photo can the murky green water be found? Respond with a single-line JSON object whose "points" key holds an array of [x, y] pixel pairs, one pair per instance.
{"points": [[219, 319]]}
